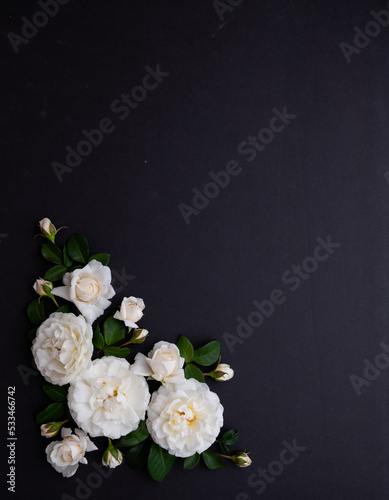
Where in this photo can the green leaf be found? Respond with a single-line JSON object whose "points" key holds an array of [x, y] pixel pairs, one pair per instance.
{"points": [[100, 257], [223, 448], [35, 312], [191, 371], [137, 455], [56, 392], [212, 460], [191, 462], [66, 259], [78, 248], [51, 253], [63, 309], [119, 352], [207, 355], [186, 348], [134, 437], [229, 437], [73, 268], [159, 462], [32, 333], [52, 413], [114, 330], [98, 339], [55, 273]]}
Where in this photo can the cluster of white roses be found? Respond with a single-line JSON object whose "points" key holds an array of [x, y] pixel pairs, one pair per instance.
{"points": [[109, 396]]}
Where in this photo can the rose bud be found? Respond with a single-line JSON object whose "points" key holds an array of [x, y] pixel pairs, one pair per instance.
{"points": [[48, 229], [222, 372], [241, 459], [139, 336], [43, 287], [51, 429], [112, 456]]}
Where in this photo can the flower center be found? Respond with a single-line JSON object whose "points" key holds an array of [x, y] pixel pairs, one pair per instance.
{"points": [[87, 289], [182, 418], [108, 395]]}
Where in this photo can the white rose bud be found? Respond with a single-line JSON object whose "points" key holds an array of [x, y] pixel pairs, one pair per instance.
{"points": [[48, 229], [131, 310], [51, 429], [112, 457], [139, 336], [223, 372], [38, 286], [241, 459]]}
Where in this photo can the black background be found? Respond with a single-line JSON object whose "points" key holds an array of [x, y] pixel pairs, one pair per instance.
{"points": [[323, 175]]}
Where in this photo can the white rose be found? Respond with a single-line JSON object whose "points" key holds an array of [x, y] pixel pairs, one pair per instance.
{"points": [[184, 419], [163, 363], [66, 455], [109, 400], [88, 288], [63, 347], [130, 311]]}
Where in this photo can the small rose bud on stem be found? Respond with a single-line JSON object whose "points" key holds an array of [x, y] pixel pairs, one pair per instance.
{"points": [[139, 336], [112, 456], [221, 373], [43, 289], [48, 230], [51, 429], [241, 459]]}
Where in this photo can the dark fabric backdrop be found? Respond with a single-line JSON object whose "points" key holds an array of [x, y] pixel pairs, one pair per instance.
{"points": [[225, 70]]}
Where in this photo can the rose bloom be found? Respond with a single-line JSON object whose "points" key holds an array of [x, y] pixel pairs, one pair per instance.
{"points": [[163, 363], [66, 455], [185, 418], [88, 288], [109, 400], [63, 347], [130, 311]]}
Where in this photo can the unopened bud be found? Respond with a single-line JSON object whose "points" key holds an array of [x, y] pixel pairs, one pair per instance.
{"points": [[112, 456], [139, 336], [48, 229], [241, 459], [51, 429], [222, 372], [43, 287]]}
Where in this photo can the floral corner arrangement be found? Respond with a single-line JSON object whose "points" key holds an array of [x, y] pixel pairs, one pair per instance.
{"points": [[96, 392]]}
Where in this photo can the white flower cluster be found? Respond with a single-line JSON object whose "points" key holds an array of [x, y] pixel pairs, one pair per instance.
{"points": [[109, 396]]}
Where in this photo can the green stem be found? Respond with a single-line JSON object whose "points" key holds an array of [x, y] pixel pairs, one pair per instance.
{"points": [[53, 299], [125, 343], [101, 350]]}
